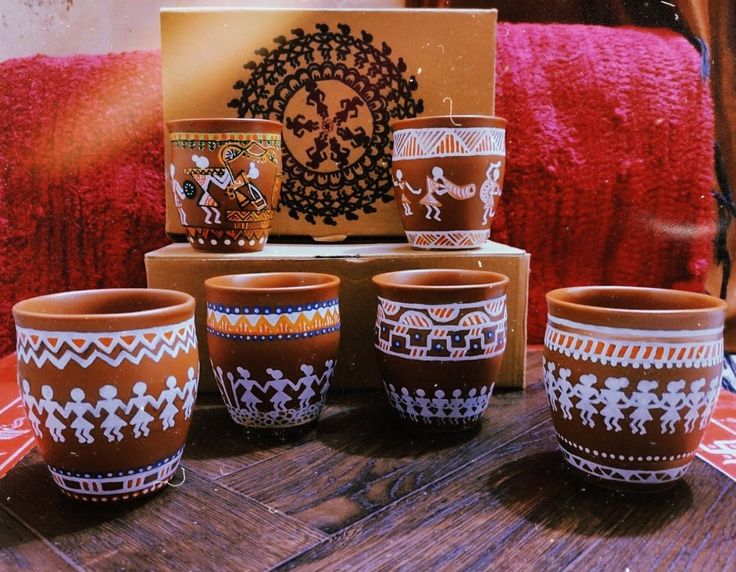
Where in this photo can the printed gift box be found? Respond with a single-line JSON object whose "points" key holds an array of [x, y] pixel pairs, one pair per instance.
{"points": [[336, 80]]}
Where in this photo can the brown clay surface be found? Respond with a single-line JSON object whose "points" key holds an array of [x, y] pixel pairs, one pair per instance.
{"points": [[633, 312], [117, 313], [444, 288], [226, 208], [265, 292], [460, 171]]}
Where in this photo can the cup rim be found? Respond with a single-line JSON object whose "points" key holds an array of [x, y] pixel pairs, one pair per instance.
{"points": [[229, 282], [486, 280], [450, 120], [179, 302], [220, 124], [564, 298]]}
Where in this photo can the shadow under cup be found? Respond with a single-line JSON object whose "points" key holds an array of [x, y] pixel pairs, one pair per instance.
{"points": [[440, 336], [632, 376], [273, 340], [108, 379]]}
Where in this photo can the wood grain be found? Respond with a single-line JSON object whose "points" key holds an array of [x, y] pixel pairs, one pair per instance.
{"points": [[364, 460], [178, 529], [498, 498], [217, 446], [21, 549], [518, 508]]}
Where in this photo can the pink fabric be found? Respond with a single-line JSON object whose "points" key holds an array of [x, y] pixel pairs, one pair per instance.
{"points": [[81, 174], [609, 158]]}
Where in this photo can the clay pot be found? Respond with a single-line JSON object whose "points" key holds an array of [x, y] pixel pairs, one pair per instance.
{"points": [[440, 336], [273, 341], [448, 174], [225, 176], [632, 376], [108, 379]]}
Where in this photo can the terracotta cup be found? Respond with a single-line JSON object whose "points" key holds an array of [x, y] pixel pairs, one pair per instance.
{"points": [[440, 336], [273, 341], [448, 174], [225, 176], [632, 376], [108, 379]]}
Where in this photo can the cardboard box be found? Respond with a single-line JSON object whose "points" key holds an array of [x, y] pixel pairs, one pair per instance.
{"points": [[335, 79], [179, 267]]}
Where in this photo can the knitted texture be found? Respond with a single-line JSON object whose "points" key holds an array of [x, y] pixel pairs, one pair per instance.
{"points": [[81, 174], [608, 176], [609, 158]]}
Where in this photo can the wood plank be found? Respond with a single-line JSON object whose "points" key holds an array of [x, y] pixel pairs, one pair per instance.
{"points": [[363, 460], [180, 528], [519, 508], [217, 446], [21, 549], [691, 529]]}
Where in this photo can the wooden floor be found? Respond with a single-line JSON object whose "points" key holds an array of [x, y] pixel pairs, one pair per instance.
{"points": [[360, 492]]}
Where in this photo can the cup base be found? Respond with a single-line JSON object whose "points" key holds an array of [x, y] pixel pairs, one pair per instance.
{"points": [[623, 479], [276, 420], [447, 239], [119, 485], [621, 487], [226, 240]]}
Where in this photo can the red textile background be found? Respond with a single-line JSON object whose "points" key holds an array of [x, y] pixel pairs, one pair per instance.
{"points": [[81, 174], [608, 180], [609, 158]]}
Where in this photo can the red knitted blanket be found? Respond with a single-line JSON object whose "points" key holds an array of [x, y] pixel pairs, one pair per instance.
{"points": [[609, 164]]}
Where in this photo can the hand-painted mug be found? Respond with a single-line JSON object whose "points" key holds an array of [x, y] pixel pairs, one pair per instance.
{"points": [[440, 337], [273, 340], [225, 176], [632, 376], [448, 175], [108, 379]]}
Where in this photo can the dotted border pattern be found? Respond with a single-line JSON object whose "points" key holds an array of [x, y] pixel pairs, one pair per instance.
{"points": [[58, 474], [616, 474], [272, 337], [630, 458], [266, 310]]}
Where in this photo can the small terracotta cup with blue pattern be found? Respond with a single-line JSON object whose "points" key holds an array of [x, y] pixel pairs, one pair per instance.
{"points": [[273, 341], [440, 337]]}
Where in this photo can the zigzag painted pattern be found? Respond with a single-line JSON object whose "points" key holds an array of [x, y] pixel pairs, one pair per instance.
{"points": [[447, 240], [623, 475], [634, 353], [449, 142], [286, 324], [265, 139], [84, 348]]}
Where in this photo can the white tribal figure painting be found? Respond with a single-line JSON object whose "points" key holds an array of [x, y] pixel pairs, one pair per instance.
{"points": [[622, 400], [278, 400], [108, 416]]}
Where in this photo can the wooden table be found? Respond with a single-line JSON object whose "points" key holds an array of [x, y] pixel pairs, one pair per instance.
{"points": [[362, 493]]}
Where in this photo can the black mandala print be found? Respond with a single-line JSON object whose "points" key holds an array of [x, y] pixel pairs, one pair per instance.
{"points": [[335, 94]]}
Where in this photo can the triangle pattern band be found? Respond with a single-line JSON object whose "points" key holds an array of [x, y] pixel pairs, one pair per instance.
{"points": [[449, 142], [113, 348]]}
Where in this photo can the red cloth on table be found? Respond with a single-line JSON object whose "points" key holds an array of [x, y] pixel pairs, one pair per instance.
{"points": [[608, 177]]}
